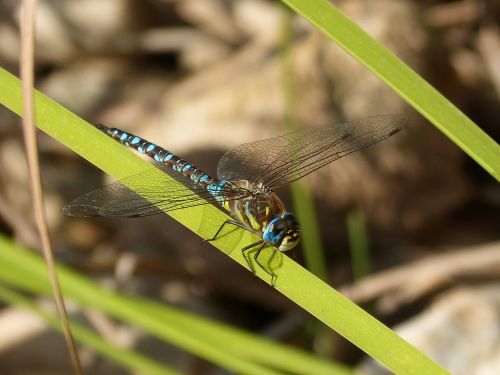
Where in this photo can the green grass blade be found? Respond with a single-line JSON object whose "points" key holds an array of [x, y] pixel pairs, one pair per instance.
{"points": [[402, 79], [126, 358], [26, 270], [293, 281], [248, 346]]}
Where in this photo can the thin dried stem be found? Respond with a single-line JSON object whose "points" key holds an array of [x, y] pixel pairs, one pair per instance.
{"points": [[28, 119]]}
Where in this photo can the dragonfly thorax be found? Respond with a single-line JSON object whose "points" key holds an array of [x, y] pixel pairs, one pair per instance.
{"points": [[265, 214]]}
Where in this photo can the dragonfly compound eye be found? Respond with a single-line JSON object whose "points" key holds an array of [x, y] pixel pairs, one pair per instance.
{"points": [[283, 232]]}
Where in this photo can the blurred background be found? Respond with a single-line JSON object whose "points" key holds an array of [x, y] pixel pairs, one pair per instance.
{"points": [[201, 76]]}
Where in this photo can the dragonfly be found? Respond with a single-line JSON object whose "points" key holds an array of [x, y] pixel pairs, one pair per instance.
{"points": [[247, 177]]}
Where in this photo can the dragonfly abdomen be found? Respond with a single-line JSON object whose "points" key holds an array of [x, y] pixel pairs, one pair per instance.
{"points": [[169, 159]]}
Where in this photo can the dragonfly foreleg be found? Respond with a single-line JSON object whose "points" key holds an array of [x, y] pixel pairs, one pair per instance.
{"points": [[269, 270], [249, 247], [228, 221], [261, 244]]}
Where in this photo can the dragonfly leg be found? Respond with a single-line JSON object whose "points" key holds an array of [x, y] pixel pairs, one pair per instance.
{"points": [[249, 247], [266, 270], [228, 221]]}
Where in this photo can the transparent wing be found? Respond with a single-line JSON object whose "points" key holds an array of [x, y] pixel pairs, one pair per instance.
{"points": [[276, 162], [152, 195]]}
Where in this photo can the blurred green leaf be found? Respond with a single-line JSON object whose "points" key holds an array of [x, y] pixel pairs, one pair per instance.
{"points": [[126, 358], [216, 342]]}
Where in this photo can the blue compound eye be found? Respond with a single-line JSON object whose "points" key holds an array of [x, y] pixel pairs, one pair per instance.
{"points": [[274, 232], [283, 232], [281, 226]]}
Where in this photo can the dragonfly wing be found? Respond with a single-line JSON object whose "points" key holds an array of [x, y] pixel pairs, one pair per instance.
{"points": [[152, 194], [276, 162]]}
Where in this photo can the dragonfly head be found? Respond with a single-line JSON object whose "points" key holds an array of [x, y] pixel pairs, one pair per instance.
{"points": [[283, 232]]}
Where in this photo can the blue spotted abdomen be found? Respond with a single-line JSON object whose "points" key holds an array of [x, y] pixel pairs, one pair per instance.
{"points": [[177, 164]]}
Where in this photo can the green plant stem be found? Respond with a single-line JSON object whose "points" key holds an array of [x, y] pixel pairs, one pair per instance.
{"points": [[358, 244], [303, 203]]}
